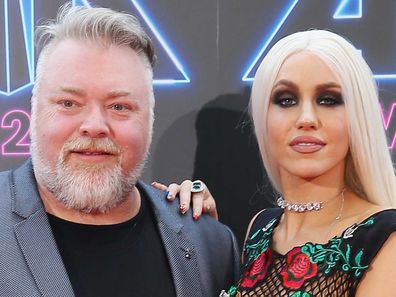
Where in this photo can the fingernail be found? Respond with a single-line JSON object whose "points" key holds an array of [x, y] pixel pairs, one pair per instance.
{"points": [[153, 183], [170, 196], [183, 208], [196, 217]]}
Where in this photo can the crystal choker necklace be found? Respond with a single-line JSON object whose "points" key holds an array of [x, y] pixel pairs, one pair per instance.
{"points": [[306, 206]]}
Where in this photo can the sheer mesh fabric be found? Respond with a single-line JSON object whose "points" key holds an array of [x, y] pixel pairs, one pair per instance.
{"points": [[337, 284], [332, 269]]}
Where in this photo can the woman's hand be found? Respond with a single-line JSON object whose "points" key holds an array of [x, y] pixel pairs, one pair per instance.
{"points": [[202, 201]]}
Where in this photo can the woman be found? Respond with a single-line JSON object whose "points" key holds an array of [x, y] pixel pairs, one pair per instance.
{"points": [[315, 109]]}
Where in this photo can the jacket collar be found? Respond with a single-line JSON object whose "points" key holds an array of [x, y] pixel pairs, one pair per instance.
{"points": [[39, 248], [180, 249], [26, 199], [24, 192], [34, 235], [165, 211]]}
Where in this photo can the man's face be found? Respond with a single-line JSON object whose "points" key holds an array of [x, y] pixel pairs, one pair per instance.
{"points": [[92, 124]]}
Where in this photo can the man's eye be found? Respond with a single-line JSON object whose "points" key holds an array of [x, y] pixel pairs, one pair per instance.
{"points": [[67, 103], [119, 107]]}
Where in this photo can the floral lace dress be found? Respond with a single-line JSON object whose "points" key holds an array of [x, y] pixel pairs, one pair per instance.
{"points": [[331, 269]]}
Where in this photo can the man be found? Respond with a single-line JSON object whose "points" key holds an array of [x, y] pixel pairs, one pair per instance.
{"points": [[75, 221]]}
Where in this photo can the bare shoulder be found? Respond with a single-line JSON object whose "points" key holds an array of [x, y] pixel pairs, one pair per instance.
{"points": [[373, 209], [358, 209], [379, 278]]}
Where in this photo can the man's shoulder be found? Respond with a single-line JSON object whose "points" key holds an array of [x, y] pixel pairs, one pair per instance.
{"points": [[4, 185], [20, 172], [18, 191], [4, 174], [7, 203], [169, 211]]}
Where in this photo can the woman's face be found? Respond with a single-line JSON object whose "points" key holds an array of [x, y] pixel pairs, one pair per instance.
{"points": [[307, 122]]}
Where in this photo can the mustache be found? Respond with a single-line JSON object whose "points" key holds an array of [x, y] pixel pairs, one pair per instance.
{"points": [[104, 145]]}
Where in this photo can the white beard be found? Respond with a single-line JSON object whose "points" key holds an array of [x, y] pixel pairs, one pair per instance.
{"points": [[89, 188]]}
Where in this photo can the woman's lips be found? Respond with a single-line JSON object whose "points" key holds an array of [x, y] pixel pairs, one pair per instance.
{"points": [[306, 144]]}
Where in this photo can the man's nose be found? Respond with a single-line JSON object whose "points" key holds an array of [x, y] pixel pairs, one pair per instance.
{"points": [[308, 117], [95, 123]]}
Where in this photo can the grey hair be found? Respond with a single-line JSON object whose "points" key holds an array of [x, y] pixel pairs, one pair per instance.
{"points": [[101, 25], [369, 170]]}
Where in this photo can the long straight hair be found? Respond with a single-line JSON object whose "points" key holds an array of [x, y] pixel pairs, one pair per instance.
{"points": [[369, 170]]}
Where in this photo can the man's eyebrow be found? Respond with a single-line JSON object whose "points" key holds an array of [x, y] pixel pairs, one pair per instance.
{"points": [[119, 93], [82, 93], [73, 91]]}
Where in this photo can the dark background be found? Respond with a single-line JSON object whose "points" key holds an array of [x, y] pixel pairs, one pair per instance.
{"points": [[202, 129]]}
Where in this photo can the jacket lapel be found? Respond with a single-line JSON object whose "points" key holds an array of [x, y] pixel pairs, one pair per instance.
{"points": [[35, 239], [34, 235], [180, 251]]}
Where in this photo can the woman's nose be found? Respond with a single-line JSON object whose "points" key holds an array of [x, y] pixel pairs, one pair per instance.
{"points": [[307, 118]]}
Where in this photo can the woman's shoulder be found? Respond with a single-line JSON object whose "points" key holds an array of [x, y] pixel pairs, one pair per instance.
{"points": [[260, 228], [380, 246], [364, 218], [386, 216], [370, 234], [263, 218], [378, 219], [370, 222]]}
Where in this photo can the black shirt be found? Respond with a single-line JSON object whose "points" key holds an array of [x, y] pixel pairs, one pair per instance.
{"points": [[126, 259]]}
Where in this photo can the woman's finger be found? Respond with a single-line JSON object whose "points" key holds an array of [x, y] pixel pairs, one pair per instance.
{"points": [[197, 205], [209, 204], [173, 190], [159, 186], [209, 207], [185, 196]]}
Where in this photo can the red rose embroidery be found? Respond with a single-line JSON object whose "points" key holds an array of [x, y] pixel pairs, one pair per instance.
{"points": [[297, 269], [257, 269]]}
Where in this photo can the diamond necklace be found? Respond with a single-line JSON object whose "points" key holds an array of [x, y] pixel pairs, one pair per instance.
{"points": [[305, 206]]}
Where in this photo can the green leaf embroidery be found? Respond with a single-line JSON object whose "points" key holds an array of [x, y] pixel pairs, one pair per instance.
{"points": [[358, 257], [328, 257], [253, 250], [301, 294], [325, 256]]}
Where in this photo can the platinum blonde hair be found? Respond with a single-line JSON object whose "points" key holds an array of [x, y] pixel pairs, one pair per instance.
{"points": [[369, 170], [100, 25]]}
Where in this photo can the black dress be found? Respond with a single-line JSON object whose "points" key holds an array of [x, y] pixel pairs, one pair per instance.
{"points": [[331, 269]]}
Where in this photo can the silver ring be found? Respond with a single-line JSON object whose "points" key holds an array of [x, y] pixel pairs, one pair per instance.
{"points": [[197, 186]]}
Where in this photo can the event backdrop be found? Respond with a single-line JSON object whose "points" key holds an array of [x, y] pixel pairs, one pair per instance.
{"points": [[208, 52]]}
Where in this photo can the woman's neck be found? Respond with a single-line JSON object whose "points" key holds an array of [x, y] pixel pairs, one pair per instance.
{"points": [[296, 228], [321, 188]]}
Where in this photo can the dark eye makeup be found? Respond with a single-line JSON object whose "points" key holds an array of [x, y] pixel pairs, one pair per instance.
{"points": [[289, 99], [330, 99], [284, 99]]}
